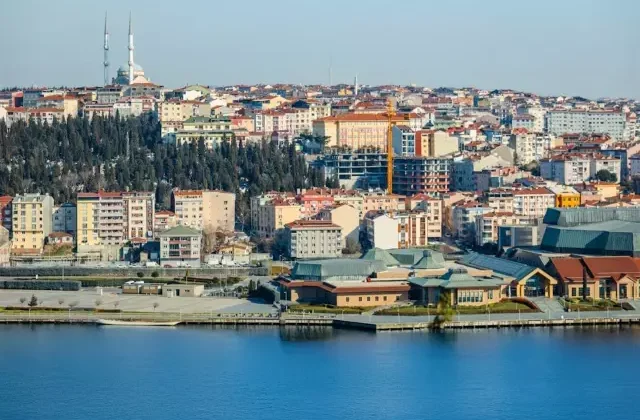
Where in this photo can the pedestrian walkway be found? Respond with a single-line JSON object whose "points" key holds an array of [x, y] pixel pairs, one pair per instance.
{"points": [[548, 305]]}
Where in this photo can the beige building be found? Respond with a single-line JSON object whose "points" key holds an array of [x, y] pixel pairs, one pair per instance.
{"points": [[32, 220], [313, 239], [345, 293], [163, 220], [180, 247], [347, 218], [274, 215], [180, 111], [382, 202], [351, 198], [433, 208], [5, 247], [138, 212], [487, 225], [205, 209], [68, 104], [356, 131]]}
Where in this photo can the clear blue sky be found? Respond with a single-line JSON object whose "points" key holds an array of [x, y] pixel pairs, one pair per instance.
{"points": [[572, 47]]}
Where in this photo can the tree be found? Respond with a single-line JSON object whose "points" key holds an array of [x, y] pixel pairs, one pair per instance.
{"points": [[33, 302], [23, 300], [280, 245], [140, 274], [352, 247], [606, 176], [155, 274]]}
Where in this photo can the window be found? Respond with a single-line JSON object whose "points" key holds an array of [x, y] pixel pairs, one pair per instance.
{"points": [[574, 292], [368, 298], [384, 298], [347, 298], [360, 299]]}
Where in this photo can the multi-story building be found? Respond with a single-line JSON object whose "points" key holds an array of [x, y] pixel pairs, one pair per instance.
{"points": [[358, 131], [380, 201], [433, 208], [100, 221], [180, 247], [425, 143], [64, 218], [523, 121], [533, 202], [179, 111], [6, 212], [138, 213], [464, 219], [487, 225], [364, 168], [566, 195], [518, 235], [273, 215], [31, 222], [163, 220], [576, 168], [414, 175], [313, 239], [108, 94], [397, 230], [39, 115], [204, 209], [530, 147], [612, 122], [315, 199], [345, 216], [134, 106], [500, 200]]}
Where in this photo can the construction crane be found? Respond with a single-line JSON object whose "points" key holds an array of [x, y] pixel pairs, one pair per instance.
{"points": [[391, 112]]}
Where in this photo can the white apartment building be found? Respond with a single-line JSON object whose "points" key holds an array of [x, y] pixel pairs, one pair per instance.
{"points": [[533, 202], [614, 123], [433, 208], [531, 147], [525, 121], [487, 225], [313, 239], [397, 230], [575, 168]]}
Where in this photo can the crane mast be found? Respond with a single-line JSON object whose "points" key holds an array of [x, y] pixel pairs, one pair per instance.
{"points": [[390, 114]]}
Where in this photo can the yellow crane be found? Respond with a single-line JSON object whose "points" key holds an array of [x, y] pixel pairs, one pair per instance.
{"points": [[391, 112]]}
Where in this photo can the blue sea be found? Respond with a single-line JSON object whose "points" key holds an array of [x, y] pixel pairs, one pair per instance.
{"points": [[91, 372]]}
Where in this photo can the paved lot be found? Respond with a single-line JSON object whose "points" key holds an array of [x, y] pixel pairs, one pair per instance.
{"points": [[138, 303]]}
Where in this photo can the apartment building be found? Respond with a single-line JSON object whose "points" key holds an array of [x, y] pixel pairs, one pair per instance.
{"points": [[500, 200], [138, 213], [566, 195], [611, 122], [358, 131], [533, 202], [345, 216], [100, 221], [31, 222], [68, 104], [380, 201], [433, 208], [362, 168], [163, 220], [530, 147], [180, 247], [464, 217], [576, 168], [396, 230], [272, 215], [315, 199], [408, 142], [39, 115], [415, 175], [523, 121], [6, 212], [173, 111], [313, 239], [204, 209], [64, 218], [487, 225]]}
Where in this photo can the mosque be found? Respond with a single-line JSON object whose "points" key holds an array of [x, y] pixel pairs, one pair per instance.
{"points": [[128, 74]]}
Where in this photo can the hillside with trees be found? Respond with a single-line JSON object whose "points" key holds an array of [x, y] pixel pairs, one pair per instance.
{"points": [[117, 154]]}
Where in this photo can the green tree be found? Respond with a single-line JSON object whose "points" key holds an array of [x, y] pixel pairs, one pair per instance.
{"points": [[606, 176], [33, 302]]}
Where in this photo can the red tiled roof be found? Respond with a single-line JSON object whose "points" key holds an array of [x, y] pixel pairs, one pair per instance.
{"points": [[571, 269], [312, 224]]}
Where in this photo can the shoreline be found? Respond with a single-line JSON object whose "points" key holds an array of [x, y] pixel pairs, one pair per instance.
{"points": [[333, 322]]}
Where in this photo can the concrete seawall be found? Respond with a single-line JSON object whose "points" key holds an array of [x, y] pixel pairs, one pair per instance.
{"points": [[328, 321], [130, 272]]}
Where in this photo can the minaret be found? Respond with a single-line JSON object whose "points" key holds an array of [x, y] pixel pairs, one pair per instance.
{"points": [[355, 86], [106, 51], [130, 51]]}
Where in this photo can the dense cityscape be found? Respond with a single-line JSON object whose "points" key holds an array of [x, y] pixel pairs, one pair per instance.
{"points": [[348, 196]]}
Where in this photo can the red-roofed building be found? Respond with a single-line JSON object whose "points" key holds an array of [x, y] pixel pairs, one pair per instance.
{"points": [[607, 277]]}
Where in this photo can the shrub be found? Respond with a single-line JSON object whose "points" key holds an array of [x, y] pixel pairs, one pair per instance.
{"points": [[155, 274], [140, 274], [40, 285]]}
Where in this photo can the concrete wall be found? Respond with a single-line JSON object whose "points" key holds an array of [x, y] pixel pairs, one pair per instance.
{"points": [[131, 272]]}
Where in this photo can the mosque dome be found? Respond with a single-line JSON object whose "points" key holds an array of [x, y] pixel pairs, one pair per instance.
{"points": [[136, 68]]}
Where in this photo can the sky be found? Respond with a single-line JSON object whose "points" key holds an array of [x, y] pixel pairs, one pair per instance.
{"points": [[589, 48]]}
